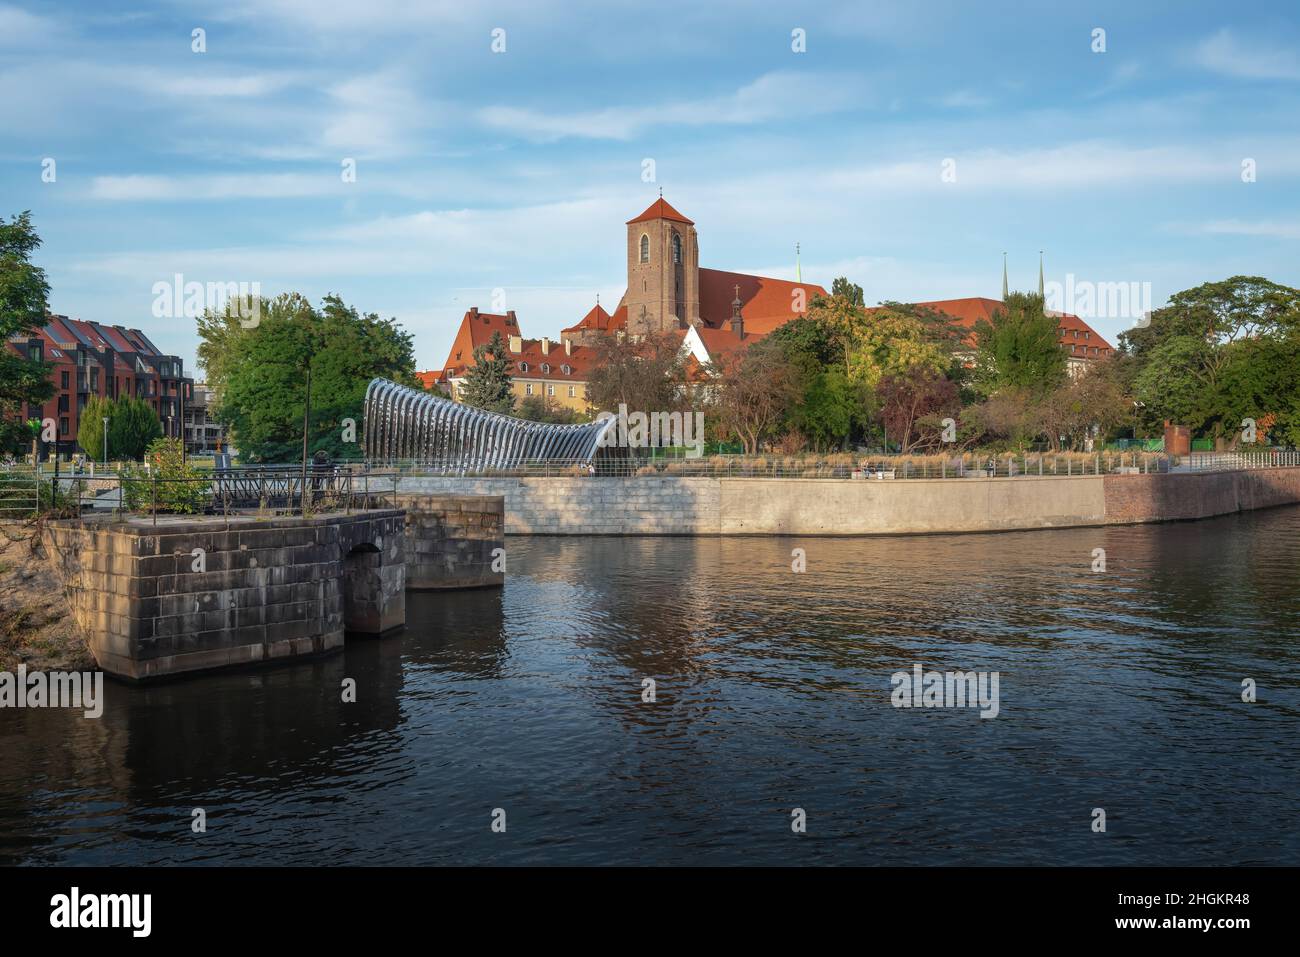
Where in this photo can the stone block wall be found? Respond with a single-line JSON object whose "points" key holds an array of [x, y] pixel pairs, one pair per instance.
{"points": [[261, 589], [450, 540], [1187, 495], [648, 505], [644, 505]]}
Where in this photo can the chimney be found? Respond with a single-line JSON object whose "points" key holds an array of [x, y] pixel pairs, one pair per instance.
{"points": [[568, 346], [546, 345], [473, 312], [516, 344], [510, 318]]}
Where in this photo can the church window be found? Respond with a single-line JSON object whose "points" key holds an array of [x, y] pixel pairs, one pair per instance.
{"points": [[677, 248], [645, 248]]}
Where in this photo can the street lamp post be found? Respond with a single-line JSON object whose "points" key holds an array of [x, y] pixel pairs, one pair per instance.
{"points": [[105, 442]]}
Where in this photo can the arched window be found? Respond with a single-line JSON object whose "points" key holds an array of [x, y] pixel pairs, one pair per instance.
{"points": [[546, 368], [645, 248], [566, 369], [677, 248], [523, 367]]}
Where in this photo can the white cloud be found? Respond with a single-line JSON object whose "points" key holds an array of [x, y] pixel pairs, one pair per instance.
{"points": [[1265, 228], [1254, 60], [199, 188], [771, 97], [19, 29]]}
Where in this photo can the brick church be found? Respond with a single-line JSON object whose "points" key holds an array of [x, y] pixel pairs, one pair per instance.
{"points": [[713, 311]]}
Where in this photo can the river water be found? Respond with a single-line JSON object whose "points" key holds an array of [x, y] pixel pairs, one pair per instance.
{"points": [[1119, 690]]}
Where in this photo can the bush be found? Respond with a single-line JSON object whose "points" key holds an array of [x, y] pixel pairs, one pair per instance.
{"points": [[176, 481]]}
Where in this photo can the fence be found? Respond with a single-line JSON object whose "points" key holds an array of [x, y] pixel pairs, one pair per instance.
{"points": [[1234, 461], [835, 466], [279, 490]]}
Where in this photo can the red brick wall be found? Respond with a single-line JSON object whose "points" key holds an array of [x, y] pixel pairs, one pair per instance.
{"points": [[1155, 498]]}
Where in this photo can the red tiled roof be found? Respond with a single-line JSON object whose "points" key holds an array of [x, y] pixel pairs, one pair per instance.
{"points": [[970, 311], [476, 329], [764, 303], [597, 319], [660, 209], [579, 362]]}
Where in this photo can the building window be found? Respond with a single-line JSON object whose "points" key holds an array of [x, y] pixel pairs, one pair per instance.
{"points": [[63, 426], [550, 389], [573, 391], [546, 368], [566, 368], [528, 388], [645, 248], [677, 248], [523, 367]]}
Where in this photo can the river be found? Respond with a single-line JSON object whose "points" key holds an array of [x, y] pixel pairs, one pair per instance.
{"points": [[1119, 690]]}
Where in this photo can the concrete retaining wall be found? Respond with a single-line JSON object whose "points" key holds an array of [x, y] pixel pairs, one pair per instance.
{"points": [[736, 506], [263, 589], [450, 540]]}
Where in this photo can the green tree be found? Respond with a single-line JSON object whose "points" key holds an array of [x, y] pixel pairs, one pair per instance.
{"points": [[849, 291], [488, 384], [1186, 348], [24, 297], [830, 405], [1019, 349], [169, 482], [261, 374], [90, 430], [133, 425]]}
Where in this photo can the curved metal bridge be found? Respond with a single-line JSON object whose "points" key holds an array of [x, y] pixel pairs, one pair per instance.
{"points": [[404, 424]]}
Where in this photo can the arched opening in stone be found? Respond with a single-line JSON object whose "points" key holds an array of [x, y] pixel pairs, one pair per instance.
{"points": [[366, 608]]}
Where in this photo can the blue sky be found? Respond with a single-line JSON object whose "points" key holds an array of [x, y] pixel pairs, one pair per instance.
{"points": [[516, 171]]}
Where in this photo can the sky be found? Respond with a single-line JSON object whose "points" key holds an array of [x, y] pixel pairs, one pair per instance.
{"points": [[499, 148]]}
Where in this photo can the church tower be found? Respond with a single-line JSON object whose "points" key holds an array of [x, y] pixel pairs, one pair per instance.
{"points": [[663, 271]]}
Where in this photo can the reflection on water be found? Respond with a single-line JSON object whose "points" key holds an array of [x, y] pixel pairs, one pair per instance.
{"points": [[1118, 690]]}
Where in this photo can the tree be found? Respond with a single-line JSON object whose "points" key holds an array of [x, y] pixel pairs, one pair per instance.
{"points": [[90, 430], [24, 297], [909, 397], [1020, 348], [1085, 406], [535, 408], [132, 427], [827, 408], [1187, 347], [487, 383], [260, 374], [754, 389], [848, 290], [646, 374]]}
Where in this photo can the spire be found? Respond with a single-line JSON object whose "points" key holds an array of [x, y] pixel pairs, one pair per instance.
{"points": [[1040, 278], [1004, 277], [798, 269]]}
